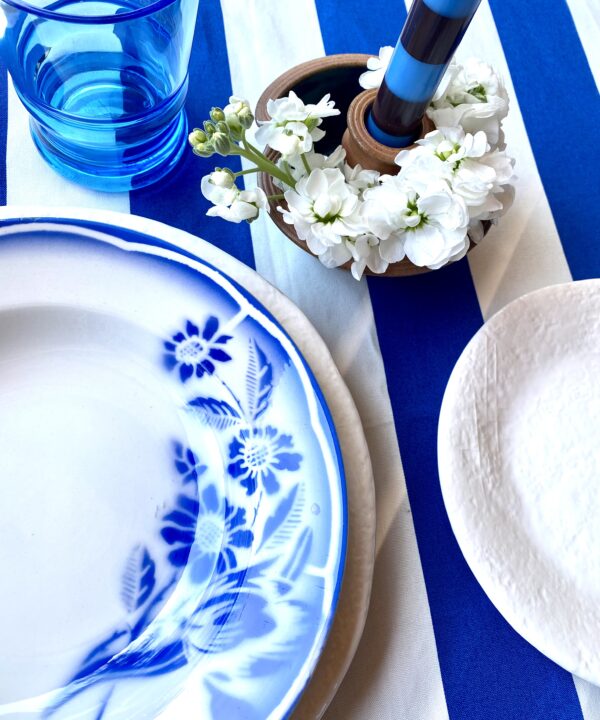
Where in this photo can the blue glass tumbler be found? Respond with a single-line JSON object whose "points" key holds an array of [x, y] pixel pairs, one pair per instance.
{"points": [[104, 82]]}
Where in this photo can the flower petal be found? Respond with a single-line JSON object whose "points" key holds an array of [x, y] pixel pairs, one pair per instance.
{"points": [[210, 499], [169, 361], [270, 482], [172, 535], [210, 328], [241, 538], [185, 372], [179, 557], [191, 329], [219, 355], [238, 468], [287, 461], [202, 567], [235, 448]]}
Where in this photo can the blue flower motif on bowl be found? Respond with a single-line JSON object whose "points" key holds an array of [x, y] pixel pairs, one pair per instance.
{"points": [[206, 532], [257, 453], [187, 464], [197, 353]]}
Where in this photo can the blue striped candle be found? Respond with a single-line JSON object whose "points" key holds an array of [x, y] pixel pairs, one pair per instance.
{"points": [[430, 36]]}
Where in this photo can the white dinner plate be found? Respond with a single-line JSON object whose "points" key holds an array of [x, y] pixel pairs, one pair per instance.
{"points": [[519, 462], [173, 497]]}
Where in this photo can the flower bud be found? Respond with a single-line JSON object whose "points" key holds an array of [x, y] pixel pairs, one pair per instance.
{"points": [[217, 115], [221, 143], [234, 126], [246, 118], [238, 116], [203, 150], [222, 177], [197, 136], [222, 128], [209, 128]]}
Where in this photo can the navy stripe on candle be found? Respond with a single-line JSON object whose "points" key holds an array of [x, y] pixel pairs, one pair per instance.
{"points": [[431, 37], [562, 124], [423, 324], [392, 114], [177, 199]]}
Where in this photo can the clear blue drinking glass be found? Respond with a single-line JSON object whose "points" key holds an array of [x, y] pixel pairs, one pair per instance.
{"points": [[104, 82]]}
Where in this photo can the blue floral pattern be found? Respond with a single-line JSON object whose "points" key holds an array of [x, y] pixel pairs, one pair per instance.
{"points": [[187, 464], [257, 455], [206, 532], [243, 547], [197, 353]]}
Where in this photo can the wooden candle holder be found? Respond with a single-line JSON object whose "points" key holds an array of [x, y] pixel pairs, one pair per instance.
{"points": [[361, 148]]}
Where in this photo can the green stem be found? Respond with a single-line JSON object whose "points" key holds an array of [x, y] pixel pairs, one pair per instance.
{"points": [[306, 163], [281, 196], [248, 145], [246, 172], [266, 166]]}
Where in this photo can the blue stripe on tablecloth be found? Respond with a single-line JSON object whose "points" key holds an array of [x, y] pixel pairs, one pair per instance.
{"points": [[561, 109], [177, 200], [423, 324], [3, 129]]}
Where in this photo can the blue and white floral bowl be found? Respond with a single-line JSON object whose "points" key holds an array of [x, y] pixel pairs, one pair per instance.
{"points": [[173, 515]]}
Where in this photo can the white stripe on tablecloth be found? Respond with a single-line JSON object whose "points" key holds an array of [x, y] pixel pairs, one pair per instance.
{"points": [[30, 180], [397, 662], [586, 16], [524, 251], [589, 697]]}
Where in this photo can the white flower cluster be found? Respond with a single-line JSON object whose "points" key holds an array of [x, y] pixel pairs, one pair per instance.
{"points": [[451, 181]]}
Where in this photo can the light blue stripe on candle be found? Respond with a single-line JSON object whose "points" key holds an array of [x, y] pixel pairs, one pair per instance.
{"points": [[411, 79], [453, 8]]}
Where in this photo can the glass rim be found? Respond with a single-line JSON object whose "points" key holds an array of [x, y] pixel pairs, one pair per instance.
{"points": [[89, 19]]}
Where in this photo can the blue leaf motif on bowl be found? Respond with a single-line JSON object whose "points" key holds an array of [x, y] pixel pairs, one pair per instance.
{"points": [[257, 453], [194, 352]]}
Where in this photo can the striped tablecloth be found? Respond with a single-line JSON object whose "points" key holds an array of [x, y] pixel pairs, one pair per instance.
{"points": [[434, 646]]}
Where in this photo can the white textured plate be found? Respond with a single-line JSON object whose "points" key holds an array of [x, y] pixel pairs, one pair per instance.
{"points": [[519, 461], [354, 598]]}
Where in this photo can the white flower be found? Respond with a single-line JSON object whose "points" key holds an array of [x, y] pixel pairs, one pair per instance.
{"points": [[335, 255], [447, 79], [441, 235], [365, 253], [473, 97], [359, 178], [245, 206], [294, 126], [323, 209], [449, 144], [429, 227], [377, 67], [219, 187], [465, 161], [291, 139]]}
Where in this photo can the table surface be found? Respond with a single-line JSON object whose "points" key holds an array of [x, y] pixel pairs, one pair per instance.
{"points": [[434, 646]]}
